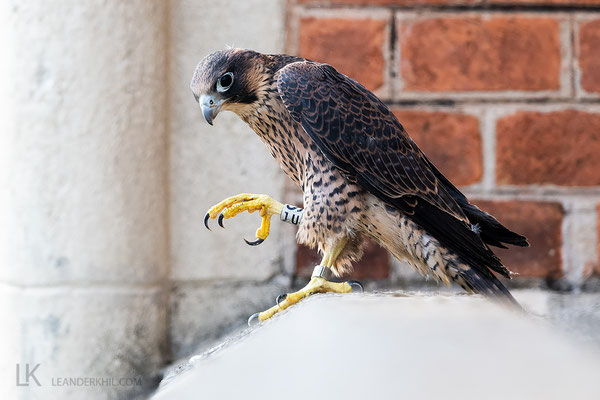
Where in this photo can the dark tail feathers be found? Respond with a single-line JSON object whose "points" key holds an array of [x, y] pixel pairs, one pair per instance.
{"points": [[491, 231], [489, 286]]}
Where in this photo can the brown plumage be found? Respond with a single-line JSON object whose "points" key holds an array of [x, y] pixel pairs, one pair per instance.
{"points": [[361, 174]]}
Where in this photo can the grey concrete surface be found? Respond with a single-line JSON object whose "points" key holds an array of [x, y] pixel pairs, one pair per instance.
{"points": [[216, 277], [104, 333], [203, 314], [210, 163], [83, 205], [82, 152], [576, 313], [394, 346]]}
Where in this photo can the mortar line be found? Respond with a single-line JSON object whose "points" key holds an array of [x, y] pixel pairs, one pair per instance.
{"points": [[488, 139], [456, 8], [474, 101]]}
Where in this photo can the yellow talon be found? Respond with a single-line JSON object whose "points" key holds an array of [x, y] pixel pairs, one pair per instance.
{"points": [[317, 284], [263, 231], [234, 205]]}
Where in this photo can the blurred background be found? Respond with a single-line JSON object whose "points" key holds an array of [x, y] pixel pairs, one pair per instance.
{"points": [[107, 166]]}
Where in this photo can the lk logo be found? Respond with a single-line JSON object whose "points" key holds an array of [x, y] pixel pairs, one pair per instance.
{"points": [[29, 375]]}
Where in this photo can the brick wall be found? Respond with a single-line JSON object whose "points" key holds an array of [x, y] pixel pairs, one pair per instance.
{"points": [[503, 95]]}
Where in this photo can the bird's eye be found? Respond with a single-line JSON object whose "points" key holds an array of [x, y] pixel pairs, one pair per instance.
{"points": [[225, 82]]}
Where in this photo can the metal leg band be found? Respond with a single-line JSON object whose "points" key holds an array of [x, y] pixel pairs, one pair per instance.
{"points": [[322, 272], [291, 214]]}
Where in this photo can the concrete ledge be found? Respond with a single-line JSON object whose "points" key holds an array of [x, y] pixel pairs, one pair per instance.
{"points": [[393, 346]]}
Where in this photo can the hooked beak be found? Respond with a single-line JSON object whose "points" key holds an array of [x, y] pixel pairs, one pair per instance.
{"points": [[210, 107]]}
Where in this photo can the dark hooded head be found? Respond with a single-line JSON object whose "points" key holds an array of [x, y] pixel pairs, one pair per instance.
{"points": [[228, 80]]}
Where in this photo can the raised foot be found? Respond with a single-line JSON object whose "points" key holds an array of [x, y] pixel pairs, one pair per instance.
{"points": [[234, 205], [317, 284]]}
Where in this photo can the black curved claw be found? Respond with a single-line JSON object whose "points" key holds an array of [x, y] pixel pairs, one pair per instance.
{"points": [[220, 220], [253, 320], [356, 284], [255, 243], [206, 217], [280, 298]]}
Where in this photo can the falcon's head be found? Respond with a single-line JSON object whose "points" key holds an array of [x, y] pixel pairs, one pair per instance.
{"points": [[229, 79]]}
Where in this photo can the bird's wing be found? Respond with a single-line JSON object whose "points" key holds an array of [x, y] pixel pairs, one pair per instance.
{"points": [[364, 140], [359, 134]]}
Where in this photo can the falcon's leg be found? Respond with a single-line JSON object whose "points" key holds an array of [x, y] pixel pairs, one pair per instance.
{"points": [[318, 284], [234, 205]]}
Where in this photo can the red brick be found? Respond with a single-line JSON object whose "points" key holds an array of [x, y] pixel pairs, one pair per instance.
{"points": [[477, 53], [560, 148], [589, 55], [353, 46], [451, 141], [375, 263], [541, 223], [386, 2]]}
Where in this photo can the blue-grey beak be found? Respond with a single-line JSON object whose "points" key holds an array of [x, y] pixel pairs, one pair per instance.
{"points": [[210, 107]]}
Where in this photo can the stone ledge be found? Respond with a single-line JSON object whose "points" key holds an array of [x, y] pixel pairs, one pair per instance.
{"points": [[392, 346]]}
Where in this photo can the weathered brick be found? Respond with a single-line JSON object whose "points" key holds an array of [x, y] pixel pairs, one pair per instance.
{"points": [[375, 263], [471, 53], [353, 46], [386, 2], [541, 223], [558, 148], [451, 141], [589, 55]]}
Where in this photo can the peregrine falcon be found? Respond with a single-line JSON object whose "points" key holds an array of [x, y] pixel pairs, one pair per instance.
{"points": [[361, 174]]}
